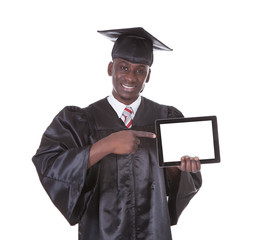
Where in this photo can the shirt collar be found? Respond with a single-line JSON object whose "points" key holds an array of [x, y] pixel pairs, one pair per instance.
{"points": [[119, 107]]}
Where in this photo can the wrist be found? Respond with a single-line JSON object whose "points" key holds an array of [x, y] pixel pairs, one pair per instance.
{"points": [[108, 145], [99, 150]]}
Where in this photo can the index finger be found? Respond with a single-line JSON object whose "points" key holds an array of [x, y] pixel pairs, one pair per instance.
{"points": [[144, 134]]}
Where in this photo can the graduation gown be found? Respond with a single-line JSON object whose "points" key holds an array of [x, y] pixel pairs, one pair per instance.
{"points": [[122, 196]]}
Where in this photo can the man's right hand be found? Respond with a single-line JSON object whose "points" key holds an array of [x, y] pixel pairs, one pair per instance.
{"points": [[123, 142], [127, 141]]}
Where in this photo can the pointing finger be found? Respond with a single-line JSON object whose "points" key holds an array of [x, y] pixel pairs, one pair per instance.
{"points": [[144, 134]]}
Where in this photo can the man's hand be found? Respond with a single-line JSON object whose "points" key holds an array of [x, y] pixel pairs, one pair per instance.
{"points": [[123, 142], [127, 141], [190, 164]]}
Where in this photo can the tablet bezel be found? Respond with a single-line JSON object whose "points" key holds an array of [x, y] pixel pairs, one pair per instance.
{"points": [[213, 120]]}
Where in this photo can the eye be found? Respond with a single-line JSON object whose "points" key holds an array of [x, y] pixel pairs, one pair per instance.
{"points": [[124, 68], [141, 71]]}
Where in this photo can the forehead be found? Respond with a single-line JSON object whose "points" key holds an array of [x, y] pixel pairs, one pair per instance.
{"points": [[123, 61]]}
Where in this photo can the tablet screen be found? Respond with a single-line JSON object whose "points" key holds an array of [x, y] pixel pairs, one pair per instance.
{"points": [[187, 136]]}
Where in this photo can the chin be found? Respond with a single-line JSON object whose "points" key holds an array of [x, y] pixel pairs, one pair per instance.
{"points": [[126, 99]]}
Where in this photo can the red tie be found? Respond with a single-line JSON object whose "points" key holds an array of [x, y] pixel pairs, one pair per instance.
{"points": [[127, 117]]}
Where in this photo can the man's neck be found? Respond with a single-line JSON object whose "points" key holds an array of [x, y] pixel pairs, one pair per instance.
{"points": [[119, 107]]}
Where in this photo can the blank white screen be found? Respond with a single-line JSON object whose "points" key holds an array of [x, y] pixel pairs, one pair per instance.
{"points": [[187, 138]]}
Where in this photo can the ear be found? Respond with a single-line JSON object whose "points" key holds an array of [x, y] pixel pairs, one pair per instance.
{"points": [[148, 77], [110, 67], [147, 80]]}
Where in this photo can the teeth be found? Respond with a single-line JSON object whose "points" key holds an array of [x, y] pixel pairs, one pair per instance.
{"points": [[127, 86]]}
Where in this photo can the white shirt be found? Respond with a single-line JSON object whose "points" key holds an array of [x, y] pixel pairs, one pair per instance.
{"points": [[119, 107]]}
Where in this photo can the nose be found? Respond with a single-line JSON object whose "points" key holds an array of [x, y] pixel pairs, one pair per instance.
{"points": [[130, 76]]}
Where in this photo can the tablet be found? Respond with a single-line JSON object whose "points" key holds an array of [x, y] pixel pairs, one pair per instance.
{"points": [[195, 137]]}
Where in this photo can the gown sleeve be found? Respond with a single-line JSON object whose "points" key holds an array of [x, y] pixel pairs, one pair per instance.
{"points": [[183, 188], [61, 162]]}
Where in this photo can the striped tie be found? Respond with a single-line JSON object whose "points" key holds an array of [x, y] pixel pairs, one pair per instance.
{"points": [[127, 117]]}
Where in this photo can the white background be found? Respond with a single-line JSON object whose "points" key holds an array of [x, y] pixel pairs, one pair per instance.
{"points": [[51, 56]]}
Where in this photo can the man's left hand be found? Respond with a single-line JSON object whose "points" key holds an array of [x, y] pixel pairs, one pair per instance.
{"points": [[190, 164]]}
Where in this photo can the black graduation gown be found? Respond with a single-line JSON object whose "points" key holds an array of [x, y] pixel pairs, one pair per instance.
{"points": [[122, 196]]}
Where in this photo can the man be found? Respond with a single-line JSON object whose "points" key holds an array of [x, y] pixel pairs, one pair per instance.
{"points": [[99, 164]]}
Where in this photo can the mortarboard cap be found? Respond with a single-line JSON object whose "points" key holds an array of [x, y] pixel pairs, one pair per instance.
{"points": [[135, 45]]}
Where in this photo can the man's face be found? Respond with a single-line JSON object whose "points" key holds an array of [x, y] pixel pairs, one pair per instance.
{"points": [[128, 79]]}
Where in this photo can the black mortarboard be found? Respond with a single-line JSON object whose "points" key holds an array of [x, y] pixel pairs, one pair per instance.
{"points": [[134, 44]]}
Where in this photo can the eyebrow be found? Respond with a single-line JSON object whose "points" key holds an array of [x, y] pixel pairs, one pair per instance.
{"points": [[140, 65]]}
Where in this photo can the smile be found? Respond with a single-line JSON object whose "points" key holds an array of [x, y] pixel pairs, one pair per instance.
{"points": [[127, 87]]}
